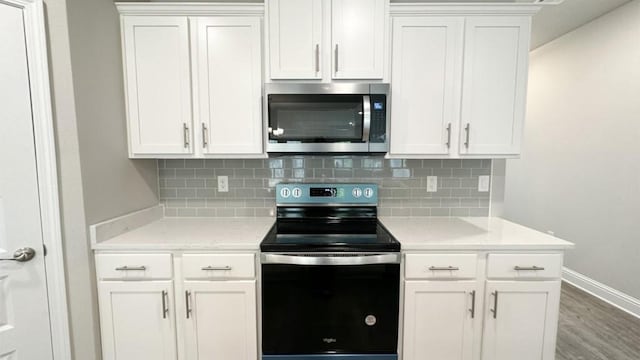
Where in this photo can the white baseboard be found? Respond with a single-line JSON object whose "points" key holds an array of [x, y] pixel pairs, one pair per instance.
{"points": [[612, 296]]}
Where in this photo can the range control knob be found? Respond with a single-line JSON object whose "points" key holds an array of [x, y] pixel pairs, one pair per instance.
{"points": [[285, 192], [357, 192], [296, 192], [368, 192]]}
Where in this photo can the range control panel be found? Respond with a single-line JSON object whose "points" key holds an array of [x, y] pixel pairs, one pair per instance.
{"points": [[297, 193]]}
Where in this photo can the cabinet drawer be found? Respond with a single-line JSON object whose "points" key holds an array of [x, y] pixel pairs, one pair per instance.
{"points": [[525, 266], [440, 266], [134, 266], [215, 266]]}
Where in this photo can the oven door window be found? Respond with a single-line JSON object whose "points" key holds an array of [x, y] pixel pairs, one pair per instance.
{"points": [[330, 309], [316, 118]]}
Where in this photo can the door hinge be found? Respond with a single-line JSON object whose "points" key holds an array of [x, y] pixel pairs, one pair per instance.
{"points": [[44, 249]]}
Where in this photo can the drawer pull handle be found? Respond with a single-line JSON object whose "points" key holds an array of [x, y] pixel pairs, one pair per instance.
{"points": [[216, 268], [444, 268], [528, 268], [131, 268]]}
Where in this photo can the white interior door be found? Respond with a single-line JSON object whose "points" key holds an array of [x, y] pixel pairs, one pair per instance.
{"points": [[24, 315]]}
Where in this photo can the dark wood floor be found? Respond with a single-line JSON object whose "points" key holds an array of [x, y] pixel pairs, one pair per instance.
{"points": [[591, 329]]}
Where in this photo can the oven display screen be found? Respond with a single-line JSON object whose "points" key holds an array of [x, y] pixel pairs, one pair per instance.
{"points": [[323, 192]]}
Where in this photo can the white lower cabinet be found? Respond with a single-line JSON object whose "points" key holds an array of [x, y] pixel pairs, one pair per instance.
{"points": [[521, 320], [137, 320], [213, 317], [444, 313], [441, 320], [221, 320]]}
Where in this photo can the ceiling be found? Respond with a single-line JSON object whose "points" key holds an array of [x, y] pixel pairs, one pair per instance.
{"points": [[556, 20]]}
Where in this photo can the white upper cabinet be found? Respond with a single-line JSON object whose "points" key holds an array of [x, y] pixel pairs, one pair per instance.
{"points": [[426, 71], [227, 62], [295, 41], [459, 80], [357, 37], [158, 84], [193, 75], [494, 84], [326, 39]]}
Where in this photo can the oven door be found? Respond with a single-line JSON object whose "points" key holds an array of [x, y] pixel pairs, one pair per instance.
{"points": [[318, 122], [330, 305]]}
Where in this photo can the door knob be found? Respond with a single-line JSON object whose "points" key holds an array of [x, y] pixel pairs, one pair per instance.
{"points": [[22, 255]]}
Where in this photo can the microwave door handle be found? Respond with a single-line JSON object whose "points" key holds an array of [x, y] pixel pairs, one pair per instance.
{"points": [[366, 117]]}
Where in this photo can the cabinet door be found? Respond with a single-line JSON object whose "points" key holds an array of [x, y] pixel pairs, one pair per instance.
{"points": [[441, 320], [228, 62], [137, 320], [425, 78], [221, 321], [157, 76], [494, 85], [521, 320], [357, 36], [295, 39]]}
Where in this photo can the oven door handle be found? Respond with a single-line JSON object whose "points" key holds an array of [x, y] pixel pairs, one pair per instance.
{"points": [[299, 259]]}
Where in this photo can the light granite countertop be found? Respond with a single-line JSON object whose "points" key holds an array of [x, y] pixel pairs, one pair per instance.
{"points": [[468, 233], [193, 234], [414, 234]]}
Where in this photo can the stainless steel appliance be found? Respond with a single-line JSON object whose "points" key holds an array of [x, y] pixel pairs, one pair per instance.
{"points": [[330, 276], [342, 117]]}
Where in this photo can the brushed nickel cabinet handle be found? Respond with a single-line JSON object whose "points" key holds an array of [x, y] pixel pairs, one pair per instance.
{"points": [[187, 300], [473, 304], [336, 58], [205, 135], [528, 268], [317, 58], [185, 134], [495, 304], [165, 308], [448, 135], [444, 268], [216, 268], [131, 268], [467, 129]]}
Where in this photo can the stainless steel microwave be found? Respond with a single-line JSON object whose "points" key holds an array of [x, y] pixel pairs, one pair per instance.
{"points": [[318, 118]]}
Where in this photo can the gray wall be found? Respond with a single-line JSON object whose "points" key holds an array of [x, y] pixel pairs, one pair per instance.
{"points": [[96, 179], [189, 187], [112, 184], [579, 175]]}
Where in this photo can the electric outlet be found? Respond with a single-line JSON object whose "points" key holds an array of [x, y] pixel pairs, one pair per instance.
{"points": [[483, 183], [223, 184], [432, 183]]}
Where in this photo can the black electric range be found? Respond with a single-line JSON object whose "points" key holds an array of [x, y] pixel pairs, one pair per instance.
{"points": [[330, 276]]}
